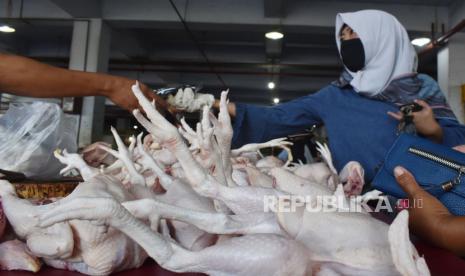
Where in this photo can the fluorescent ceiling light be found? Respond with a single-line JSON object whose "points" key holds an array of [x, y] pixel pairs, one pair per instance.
{"points": [[276, 100], [271, 85], [274, 35], [7, 29], [421, 41]]}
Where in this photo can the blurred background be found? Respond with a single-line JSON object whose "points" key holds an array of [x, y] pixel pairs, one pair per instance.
{"points": [[215, 44]]}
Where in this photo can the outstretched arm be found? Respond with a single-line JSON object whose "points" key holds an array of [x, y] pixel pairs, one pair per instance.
{"points": [[257, 124], [26, 77]]}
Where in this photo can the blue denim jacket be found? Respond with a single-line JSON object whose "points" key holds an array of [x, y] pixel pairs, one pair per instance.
{"points": [[358, 127]]}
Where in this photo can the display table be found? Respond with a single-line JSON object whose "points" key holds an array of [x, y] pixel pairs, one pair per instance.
{"points": [[150, 268], [440, 262]]}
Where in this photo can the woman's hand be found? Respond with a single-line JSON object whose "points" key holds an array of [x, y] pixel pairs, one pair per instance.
{"points": [[424, 121], [429, 219], [231, 107]]}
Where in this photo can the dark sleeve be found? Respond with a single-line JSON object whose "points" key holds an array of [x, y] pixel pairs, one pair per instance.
{"points": [[453, 133], [256, 124]]}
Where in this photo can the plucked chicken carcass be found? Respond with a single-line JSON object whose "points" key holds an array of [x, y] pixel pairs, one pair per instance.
{"points": [[77, 245], [220, 203], [14, 254]]}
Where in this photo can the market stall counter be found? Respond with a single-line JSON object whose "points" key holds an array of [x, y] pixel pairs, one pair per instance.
{"points": [[440, 262]]}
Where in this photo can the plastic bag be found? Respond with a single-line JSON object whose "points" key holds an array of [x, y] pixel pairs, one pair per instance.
{"points": [[29, 133]]}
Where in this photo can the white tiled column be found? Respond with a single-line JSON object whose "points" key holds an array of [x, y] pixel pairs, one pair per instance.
{"points": [[451, 62], [451, 73], [90, 52]]}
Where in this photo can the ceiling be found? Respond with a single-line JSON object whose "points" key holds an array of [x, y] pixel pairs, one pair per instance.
{"points": [[150, 43]]}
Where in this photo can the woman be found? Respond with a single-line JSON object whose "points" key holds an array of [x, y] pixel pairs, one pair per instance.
{"points": [[379, 75], [361, 113]]}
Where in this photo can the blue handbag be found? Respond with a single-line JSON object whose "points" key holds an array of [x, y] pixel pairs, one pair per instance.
{"points": [[438, 169]]}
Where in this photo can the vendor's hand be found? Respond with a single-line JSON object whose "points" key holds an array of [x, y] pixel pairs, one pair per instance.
{"points": [[424, 121], [119, 91], [427, 214]]}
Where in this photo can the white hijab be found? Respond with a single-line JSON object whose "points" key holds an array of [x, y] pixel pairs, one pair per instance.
{"points": [[388, 51]]}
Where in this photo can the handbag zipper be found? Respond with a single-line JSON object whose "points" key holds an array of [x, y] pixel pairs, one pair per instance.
{"points": [[447, 186]]}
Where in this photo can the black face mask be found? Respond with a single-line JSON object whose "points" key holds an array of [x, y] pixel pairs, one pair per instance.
{"points": [[353, 55]]}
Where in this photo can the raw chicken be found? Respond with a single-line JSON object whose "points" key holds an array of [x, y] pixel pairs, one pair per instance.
{"points": [[215, 199], [95, 156], [88, 247], [15, 256], [2, 220], [306, 242]]}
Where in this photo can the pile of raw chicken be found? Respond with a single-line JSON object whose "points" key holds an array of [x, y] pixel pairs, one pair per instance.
{"points": [[185, 199]]}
